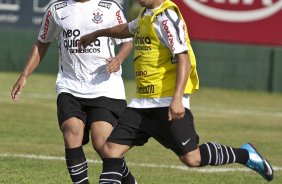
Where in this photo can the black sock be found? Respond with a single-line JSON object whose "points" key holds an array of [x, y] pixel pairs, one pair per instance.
{"points": [[112, 170], [127, 177], [77, 165], [216, 154]]}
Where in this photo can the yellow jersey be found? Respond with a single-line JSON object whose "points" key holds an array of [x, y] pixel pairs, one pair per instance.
{"points": [[155, 68]]}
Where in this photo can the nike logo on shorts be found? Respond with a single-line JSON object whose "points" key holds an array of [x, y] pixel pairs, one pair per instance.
{"points": [[184, 143]]}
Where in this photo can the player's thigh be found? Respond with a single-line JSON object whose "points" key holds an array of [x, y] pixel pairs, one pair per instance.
{"points": [[69, 110], [114, 150], [104, 109], [128, 130], [101, 122], [100, 131], [178, 135], [72, 126], [100, 114], [72, 130], [192, 158], [71, 119]]}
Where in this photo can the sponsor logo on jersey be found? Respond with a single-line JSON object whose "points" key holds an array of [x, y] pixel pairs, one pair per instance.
{"points": [[60, 5], [105, 4], [118, 15], [98, 16], [139, 47], [86, 50], [149, 89], [46, 25], [71, 39], [169, 35], [142, 42], [235, 10], [141, 73]]}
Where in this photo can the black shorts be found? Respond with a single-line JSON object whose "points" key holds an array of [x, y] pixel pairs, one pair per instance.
{"points": [[89, 110], [136, 126]]}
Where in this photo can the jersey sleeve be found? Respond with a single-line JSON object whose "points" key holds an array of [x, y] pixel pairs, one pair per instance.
{"points": [[119, 19], [132, 26], [172, 31], [48, 30]]}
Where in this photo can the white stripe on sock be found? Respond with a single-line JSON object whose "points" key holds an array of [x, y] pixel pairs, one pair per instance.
{"points": [[81, 180], [215, 153], [70, 167], [107, 180], [227, 153], [73, 174], [209, 153], [234, 158], [104, 173]]}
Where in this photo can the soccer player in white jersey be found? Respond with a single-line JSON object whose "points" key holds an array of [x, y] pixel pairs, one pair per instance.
{"points": [[166, 75], [89, 84]]}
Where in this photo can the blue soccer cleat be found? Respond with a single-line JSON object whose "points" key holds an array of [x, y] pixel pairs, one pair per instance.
{"points": [[258, 163]]}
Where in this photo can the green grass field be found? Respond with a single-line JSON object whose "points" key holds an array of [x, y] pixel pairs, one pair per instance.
{"points": [[32, 152]]}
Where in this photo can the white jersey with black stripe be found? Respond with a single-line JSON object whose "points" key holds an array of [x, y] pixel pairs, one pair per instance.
{"points": [[83, 73]]}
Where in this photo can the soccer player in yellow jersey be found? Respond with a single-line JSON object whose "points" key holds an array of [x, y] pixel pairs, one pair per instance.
{"points": [[166, 76]]}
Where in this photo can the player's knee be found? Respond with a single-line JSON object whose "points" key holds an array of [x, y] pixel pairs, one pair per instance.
{"points": [[98, 149], [72, 132], [112, 150], [98, 145], [191, 159]]}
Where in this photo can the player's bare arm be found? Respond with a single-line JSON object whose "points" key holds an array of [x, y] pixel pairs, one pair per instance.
{"points": [[176, 109], [38, 51], [119, 31], [114, 63]]}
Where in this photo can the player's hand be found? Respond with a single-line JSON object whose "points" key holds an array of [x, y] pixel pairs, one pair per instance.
{"points": [[18, 88], [176, 110], [86, 40], [113, 65]]}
